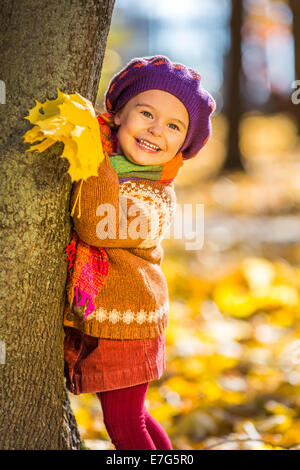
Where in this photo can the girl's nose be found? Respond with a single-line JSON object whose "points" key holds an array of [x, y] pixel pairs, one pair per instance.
{"points": [[155, 128]]}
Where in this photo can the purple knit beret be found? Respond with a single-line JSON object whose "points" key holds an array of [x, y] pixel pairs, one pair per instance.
{"points": [[158, 72]]}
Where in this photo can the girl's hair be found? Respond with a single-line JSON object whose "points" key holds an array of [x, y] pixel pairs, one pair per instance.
{"points": [[108, 132]]}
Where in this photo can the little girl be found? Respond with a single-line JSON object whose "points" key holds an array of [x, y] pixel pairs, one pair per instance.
{"points": [[158, 117]]}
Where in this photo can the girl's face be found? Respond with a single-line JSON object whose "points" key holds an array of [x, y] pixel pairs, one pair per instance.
{"points": [[153, 127]]}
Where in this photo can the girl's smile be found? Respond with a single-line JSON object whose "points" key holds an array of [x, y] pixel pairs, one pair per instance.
{"points": [[152, 127], [147, 146]]}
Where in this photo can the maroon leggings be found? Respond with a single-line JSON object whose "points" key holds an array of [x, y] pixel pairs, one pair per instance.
{"points": [[128, 423]]}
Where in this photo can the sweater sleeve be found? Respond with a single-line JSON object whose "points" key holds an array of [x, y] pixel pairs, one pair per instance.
{"points": [[106, 216]]}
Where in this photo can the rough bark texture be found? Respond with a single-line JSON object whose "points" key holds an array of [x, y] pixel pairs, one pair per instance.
{"points": [[43, 45]]}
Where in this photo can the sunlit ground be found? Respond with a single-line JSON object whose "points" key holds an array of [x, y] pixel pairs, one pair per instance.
{"points": [[233, 340]]}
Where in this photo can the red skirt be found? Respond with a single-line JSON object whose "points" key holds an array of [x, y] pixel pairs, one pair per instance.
{"points": [[97, 364]]}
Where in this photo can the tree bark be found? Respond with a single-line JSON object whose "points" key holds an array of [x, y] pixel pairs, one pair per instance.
{"points": [[232, 107], [43, 46]]}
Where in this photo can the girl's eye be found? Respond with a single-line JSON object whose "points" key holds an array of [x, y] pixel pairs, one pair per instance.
{"points": [[147, 114], [175, 126]]}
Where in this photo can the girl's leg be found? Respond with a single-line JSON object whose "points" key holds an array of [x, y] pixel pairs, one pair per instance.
{"points": [[126, 420], [157, 432], [123, 415]]}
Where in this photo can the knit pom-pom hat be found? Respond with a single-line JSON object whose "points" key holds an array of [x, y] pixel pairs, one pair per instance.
{"points": [[158, 72]]}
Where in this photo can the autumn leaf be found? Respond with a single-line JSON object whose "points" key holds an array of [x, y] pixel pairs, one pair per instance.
{"points": [[70, 119]]}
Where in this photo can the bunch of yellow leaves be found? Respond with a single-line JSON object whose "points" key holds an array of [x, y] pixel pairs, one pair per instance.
{"points": [[70, 119]]}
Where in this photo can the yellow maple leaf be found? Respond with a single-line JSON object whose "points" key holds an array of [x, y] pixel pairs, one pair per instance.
{"points": [[70, 119]]}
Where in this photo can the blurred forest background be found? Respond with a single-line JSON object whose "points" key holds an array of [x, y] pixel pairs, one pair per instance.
{"points": [[233, 340]]}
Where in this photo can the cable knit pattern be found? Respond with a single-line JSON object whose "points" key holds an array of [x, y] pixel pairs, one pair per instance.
{"points": [[133, 303]]}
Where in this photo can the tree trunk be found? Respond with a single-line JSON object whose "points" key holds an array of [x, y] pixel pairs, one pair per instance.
{"points": [[43, 46], [295, 7], [232, 106]]}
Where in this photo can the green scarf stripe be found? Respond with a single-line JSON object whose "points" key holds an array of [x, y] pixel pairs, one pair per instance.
{"points": [[127, 169], [142, 175]]}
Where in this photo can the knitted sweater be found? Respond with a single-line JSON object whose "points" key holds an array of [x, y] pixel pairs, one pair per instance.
{"points": [[133, 302]]}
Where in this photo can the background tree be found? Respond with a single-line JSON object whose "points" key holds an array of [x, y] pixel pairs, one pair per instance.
{"points": [[232, 95], [43, 45], [295, 7], [279, 102]]}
